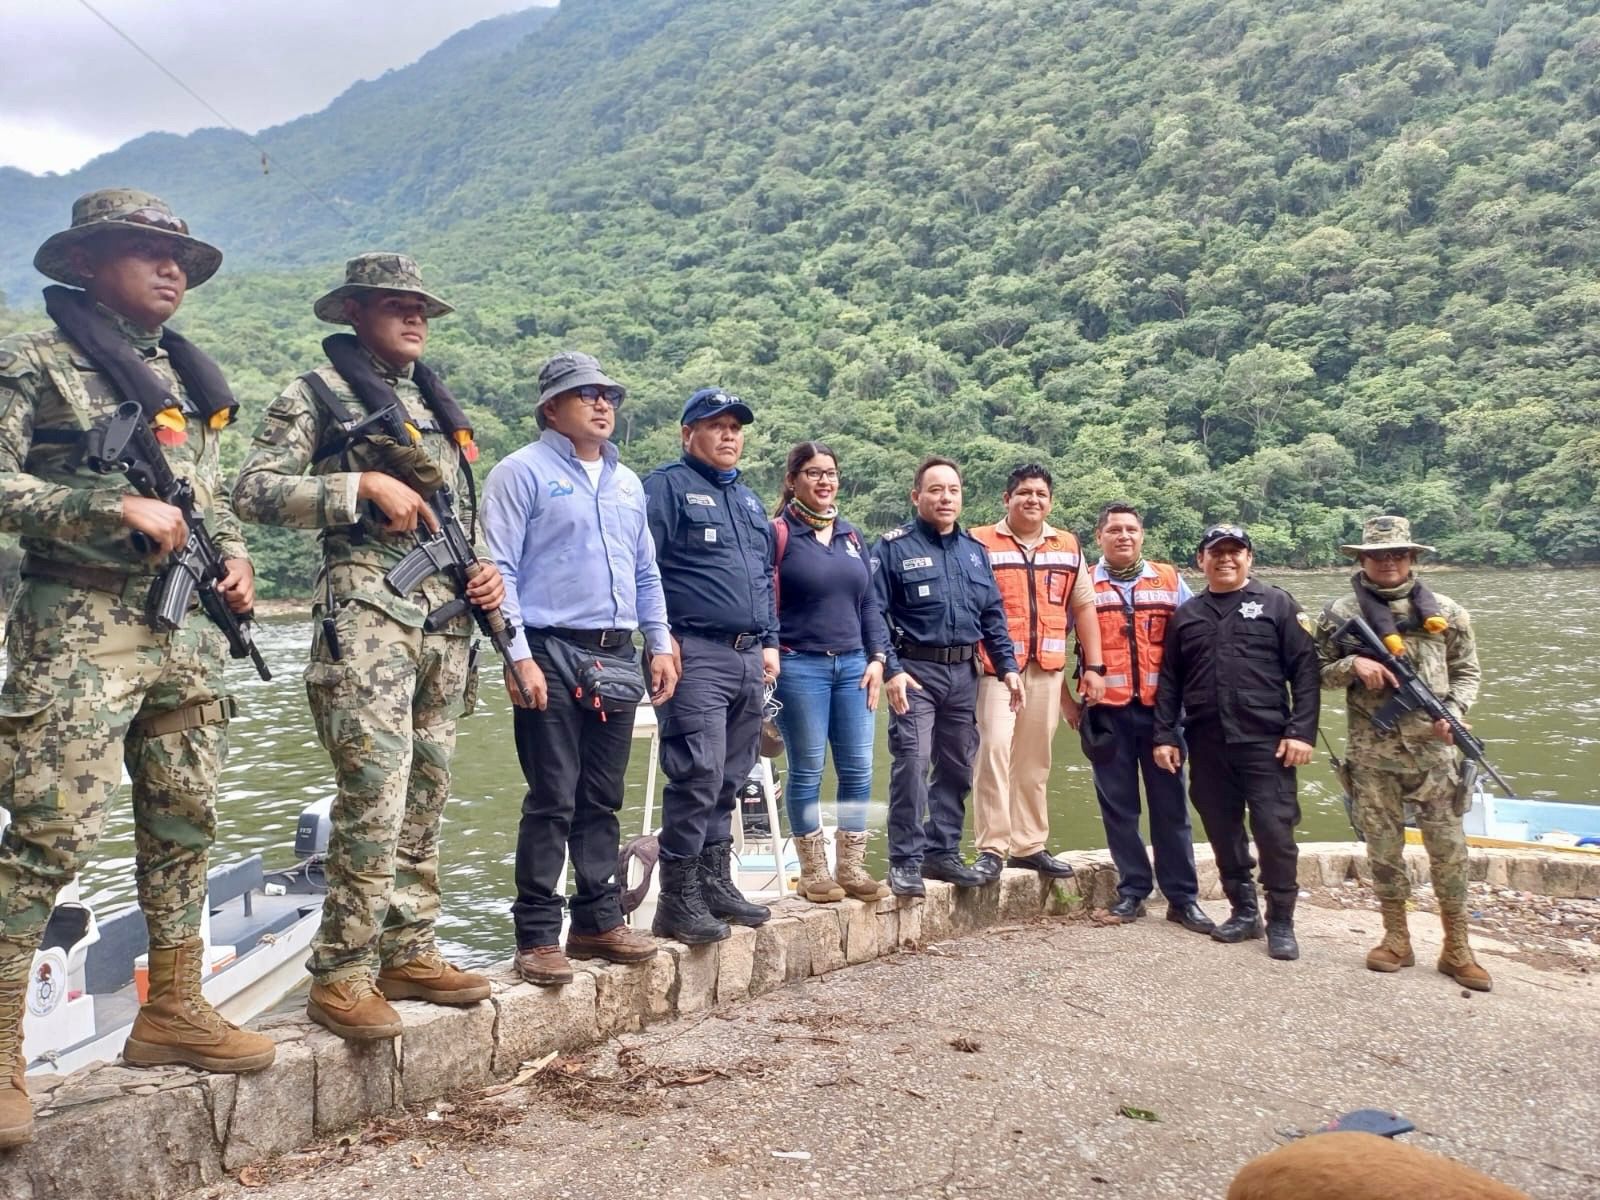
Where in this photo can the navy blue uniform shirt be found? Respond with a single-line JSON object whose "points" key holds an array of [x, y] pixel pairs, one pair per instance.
{"points": [[1243, 661], [714, 548], [825, 598], [939, 590]]}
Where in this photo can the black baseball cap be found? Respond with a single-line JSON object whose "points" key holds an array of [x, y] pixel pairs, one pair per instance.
{"points": [[1224, 533]]}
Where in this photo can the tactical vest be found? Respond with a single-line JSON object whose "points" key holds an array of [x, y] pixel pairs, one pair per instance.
{"points": [[1037, 593], [1133, 631]]}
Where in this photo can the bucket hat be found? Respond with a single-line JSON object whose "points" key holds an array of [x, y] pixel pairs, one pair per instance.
{"points": [[378, 272], [1385, 533], [571, 369], [127, 210]]}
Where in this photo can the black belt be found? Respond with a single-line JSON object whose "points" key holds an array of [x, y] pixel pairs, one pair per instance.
{"points": [[739, 641], [938, 654], [596, 639]]}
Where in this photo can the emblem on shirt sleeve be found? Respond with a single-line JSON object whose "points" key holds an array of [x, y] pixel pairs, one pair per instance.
{"points": [[1303, 619], [850, 549], [1251, 609]]}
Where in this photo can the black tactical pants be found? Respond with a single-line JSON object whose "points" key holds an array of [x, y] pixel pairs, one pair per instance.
{"points": [[1227, 781], [710, 738], [574, 764]]}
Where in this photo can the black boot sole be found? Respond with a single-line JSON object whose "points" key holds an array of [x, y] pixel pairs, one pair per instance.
{"points": [[1232, 937], [689, 939]]}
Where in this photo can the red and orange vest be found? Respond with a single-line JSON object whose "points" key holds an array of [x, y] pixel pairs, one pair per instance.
{"points": [[1132, 635], [1037, 592]]}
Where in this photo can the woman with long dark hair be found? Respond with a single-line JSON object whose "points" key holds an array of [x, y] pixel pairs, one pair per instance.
{"points": [[832, 639]]}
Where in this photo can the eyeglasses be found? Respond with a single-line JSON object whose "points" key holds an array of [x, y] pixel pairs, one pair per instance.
{"points": [[818, 474], [594, 396], [1386, 555], [155, 219]]}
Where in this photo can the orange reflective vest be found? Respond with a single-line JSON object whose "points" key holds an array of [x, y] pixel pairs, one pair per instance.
{"points": [[1037, 592], [1132, 634]]}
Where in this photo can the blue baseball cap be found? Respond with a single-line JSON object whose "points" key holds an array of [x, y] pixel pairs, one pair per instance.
{"points": [[711, 402]]}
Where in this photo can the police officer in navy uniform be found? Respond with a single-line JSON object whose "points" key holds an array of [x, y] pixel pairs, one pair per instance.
{"points": [[939, 597], [1241, 668], [714, 547]]}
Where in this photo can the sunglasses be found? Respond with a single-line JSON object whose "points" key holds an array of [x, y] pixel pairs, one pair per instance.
{"points": [[594, 396], [1386, 555], [720, 400], [154, 218]]}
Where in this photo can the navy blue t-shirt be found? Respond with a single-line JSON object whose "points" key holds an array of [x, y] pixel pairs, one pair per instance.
{"points": [[825, 597]]}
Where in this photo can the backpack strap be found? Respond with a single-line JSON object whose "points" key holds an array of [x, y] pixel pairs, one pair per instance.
{"points": [[780, 534]]}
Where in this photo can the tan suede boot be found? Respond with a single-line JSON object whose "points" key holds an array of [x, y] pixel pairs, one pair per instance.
{"points": [[428, 977], [1456, 959], [1394, 951], [176, 1024], [353, 1009], [16, 1110], [815, 883], [849, 859]]}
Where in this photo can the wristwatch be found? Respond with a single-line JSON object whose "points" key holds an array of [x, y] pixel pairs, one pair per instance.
{"points": [[1097, 668], [879, 657]]}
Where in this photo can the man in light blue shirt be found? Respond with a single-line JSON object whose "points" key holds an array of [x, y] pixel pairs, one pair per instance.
{"points": [[565, 523]]}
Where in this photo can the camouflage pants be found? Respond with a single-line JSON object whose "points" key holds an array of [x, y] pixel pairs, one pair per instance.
{"points": [[386, 714], [1380, 798], [85, 676]]}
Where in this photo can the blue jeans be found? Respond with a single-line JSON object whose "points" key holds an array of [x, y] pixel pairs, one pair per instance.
{"points": [[823, 704]]}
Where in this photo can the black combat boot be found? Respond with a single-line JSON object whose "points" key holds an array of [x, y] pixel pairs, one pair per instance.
{"points": [[1280, 929], [716, 883], [1244, 922], [681, 912]]}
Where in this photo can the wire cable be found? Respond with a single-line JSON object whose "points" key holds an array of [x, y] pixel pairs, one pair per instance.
{"points": [[214, 111]]}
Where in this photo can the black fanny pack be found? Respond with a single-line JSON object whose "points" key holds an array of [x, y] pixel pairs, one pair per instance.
{"points": [[602, 681]]}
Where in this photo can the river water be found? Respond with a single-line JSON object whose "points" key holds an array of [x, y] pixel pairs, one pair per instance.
{"points": [[1538, 639]]}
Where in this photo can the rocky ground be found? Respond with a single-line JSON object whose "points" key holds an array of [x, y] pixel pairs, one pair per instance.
{"points": [[1064, 1058]]}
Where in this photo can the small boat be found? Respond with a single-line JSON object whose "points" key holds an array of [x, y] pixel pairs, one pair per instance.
{"points": [[89, 973], [1517, 823]]}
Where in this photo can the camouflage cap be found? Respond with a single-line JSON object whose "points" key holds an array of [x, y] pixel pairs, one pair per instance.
{"points": [[127, 210], [378, 272], [1385, 533]]}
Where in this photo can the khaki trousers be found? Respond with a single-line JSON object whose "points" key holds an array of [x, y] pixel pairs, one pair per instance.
{"points": [[1011, 782]]}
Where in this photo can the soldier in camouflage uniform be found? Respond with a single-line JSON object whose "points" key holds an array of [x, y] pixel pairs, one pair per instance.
{"points": [[1416, 764], [90, 687], [384, 693]]}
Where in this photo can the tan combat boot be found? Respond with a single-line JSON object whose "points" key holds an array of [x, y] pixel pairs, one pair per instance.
{"points": [[16, 1110], [815, 883], [1394, 951], [428, 977], [176, 1024], [353, 1009], [849, 858], [1456, 959]]}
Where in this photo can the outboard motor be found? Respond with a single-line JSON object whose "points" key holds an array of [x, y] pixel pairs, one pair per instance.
{"points": [[315, 827]]}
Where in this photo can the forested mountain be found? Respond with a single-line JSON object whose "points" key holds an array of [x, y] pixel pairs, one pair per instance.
{"points": [[1290, 262]]}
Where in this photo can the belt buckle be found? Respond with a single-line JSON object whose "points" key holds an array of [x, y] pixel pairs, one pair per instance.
{"points": [[610, 639], [743, 641]]}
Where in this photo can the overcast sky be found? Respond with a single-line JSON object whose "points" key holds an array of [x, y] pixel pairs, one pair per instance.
{"points": [[71, 89]]}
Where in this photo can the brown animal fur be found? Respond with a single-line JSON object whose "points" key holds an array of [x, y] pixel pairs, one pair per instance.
{"points": [[1361, 1166]]}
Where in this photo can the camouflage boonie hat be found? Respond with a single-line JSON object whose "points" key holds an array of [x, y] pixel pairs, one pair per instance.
{"points": [[378, 272], [1385, 533], [127, 210]]}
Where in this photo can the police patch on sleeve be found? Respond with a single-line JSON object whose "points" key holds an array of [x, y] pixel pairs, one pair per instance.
{"points": [[1303, 619]]}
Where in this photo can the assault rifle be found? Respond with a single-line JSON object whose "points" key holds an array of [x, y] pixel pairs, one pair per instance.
{"points": [[1411, 695], [449, 550], [124, 443]]}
